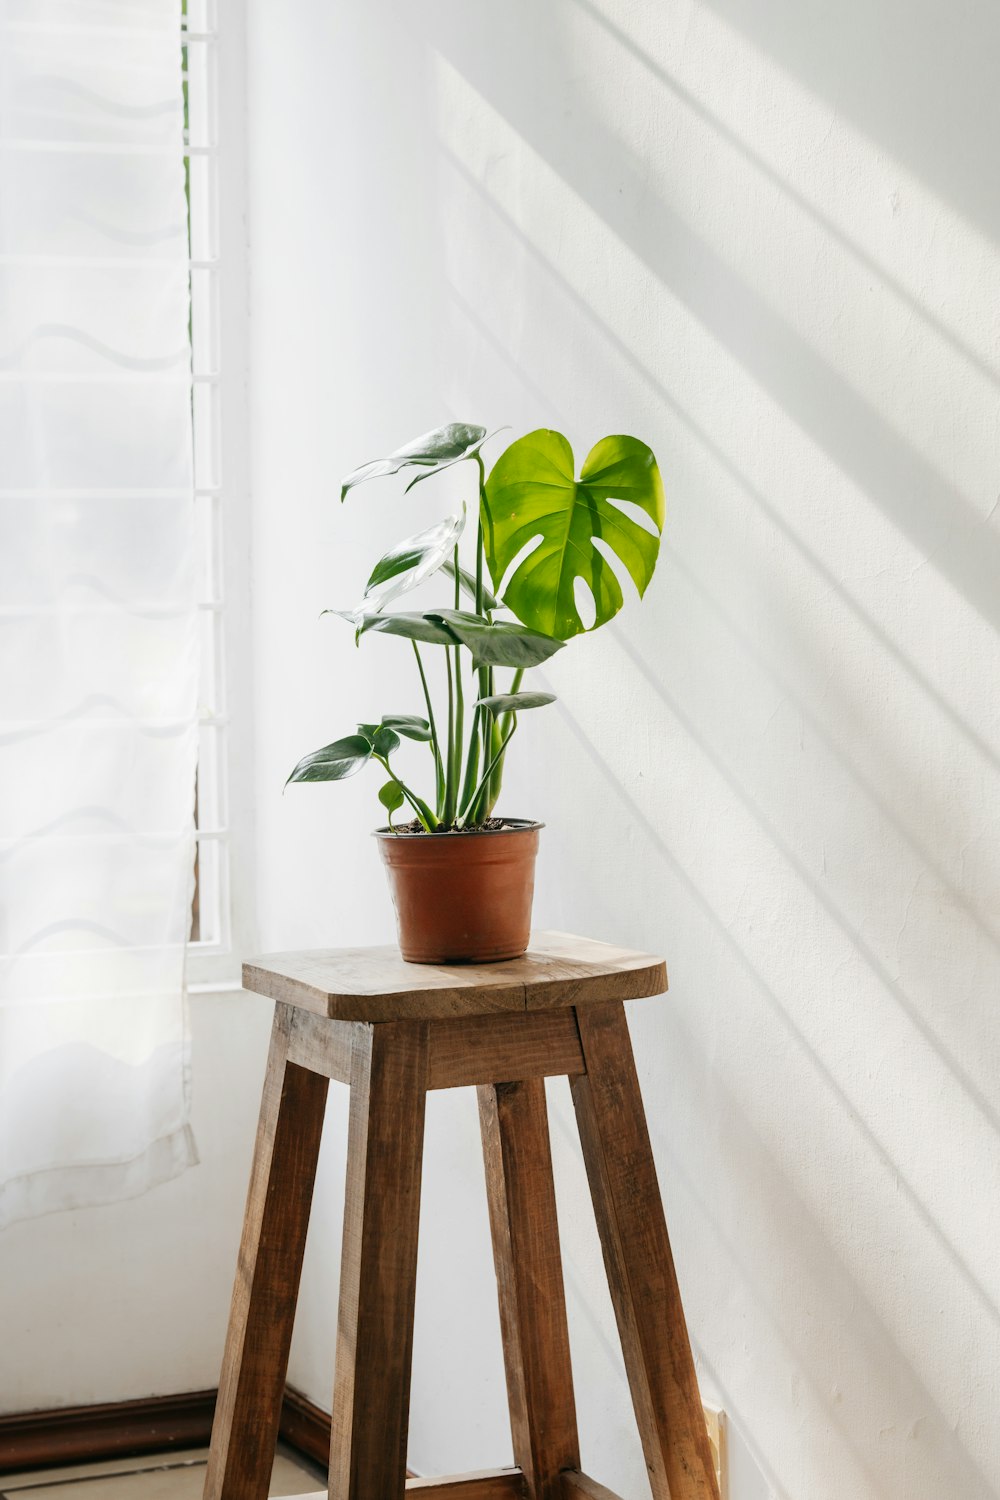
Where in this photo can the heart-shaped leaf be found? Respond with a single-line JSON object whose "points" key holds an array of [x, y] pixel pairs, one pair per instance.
{"points": [[515, 703], [431, 452], [334, 762], [413, 627], [531, 495], [502, 644], [410, 562], [391, 798], [409, 725]]}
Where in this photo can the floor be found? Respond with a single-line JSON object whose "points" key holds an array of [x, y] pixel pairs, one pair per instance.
{"points": [[155, 1476]]}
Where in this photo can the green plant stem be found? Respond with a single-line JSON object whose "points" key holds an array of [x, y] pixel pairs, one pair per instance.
{"points": [[485, 673], [472, 760], [448, 807], [455, 768], [423, 812], [496, 780], [484, 779], [455, 761], [435, 742], [479, 536], [515, 687]]}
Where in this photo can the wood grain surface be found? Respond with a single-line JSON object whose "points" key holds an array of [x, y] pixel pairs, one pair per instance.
{"points": [[576, 1486], [526, 1254], [378, 1270], [252, 1386], [323, 1045], [481, 1049], [639, 1262], [375, 984]]}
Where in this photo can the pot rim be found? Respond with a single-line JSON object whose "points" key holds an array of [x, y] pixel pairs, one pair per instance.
{"points": [[520, 825]]}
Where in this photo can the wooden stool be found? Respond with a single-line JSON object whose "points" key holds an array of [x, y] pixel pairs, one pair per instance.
{"points": [[393, 1030]]}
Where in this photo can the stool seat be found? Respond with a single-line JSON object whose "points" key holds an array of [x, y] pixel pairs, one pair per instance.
{"points": [[392, 1031], [376, 984]]}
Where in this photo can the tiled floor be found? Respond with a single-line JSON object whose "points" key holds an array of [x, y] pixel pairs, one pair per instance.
{"points": [[156, 1476]]}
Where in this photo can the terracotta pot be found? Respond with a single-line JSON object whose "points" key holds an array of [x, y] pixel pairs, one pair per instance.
{"points": [[462, 898]]}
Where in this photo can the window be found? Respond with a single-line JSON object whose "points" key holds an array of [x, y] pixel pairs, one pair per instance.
{"points": [[217, 264]]}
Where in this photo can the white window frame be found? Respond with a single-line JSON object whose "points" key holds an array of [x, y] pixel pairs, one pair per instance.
{"points": [[214, 38]]}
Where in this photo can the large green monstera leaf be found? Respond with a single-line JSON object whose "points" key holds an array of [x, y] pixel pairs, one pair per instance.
{"points": [[531, 495]]}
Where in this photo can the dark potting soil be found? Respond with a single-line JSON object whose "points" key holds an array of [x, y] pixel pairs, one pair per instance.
{"points": [[492, 825]]}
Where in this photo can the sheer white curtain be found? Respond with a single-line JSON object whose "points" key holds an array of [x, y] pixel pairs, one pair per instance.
{"points": [[98, 626]]}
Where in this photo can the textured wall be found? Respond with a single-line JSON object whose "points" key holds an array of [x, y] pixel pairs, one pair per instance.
{"points": [[762, 237]]}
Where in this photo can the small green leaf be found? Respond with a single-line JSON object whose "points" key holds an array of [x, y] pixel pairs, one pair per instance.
{"points": [[409, 725], [414, 627], [430, 452], [468, 582], [391, 798], [334, 762], [532, 497], [514, 703], [502, 644]]}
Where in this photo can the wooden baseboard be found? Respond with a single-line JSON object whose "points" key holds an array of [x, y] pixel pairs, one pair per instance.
{"points": [[306, 1427], [157, 1424], [89, 1434]]}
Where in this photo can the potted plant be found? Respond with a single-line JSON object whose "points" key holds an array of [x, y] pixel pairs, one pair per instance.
{"points": [[461, 877]]}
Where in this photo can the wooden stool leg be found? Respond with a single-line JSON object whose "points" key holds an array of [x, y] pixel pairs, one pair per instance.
{"points": [[378, 1272], [639, 1264], [252, 1386], [529, 1277]]}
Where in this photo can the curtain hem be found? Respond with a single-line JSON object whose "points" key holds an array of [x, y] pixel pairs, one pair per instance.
{"points": [[94, 1184]]}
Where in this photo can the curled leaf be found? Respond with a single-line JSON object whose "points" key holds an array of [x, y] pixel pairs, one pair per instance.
{"points": [[409, 725], [468, 582], [430, 452], [515, 703], [409, 563]]}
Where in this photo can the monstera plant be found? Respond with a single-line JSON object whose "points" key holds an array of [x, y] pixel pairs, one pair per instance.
{"points": [[540, 531]]}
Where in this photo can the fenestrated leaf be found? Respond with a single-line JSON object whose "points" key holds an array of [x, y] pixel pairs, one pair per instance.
{"points": [[531, 495], [391, 796], [334, 762], [409, 725], [384, 741], [502, 644], [430, 452], [515, 703], [410, 562], [413, 627], [468, 582]]}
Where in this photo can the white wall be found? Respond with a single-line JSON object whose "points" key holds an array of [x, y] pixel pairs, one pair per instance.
{"points": [[762, 237], [131, 1299]]}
